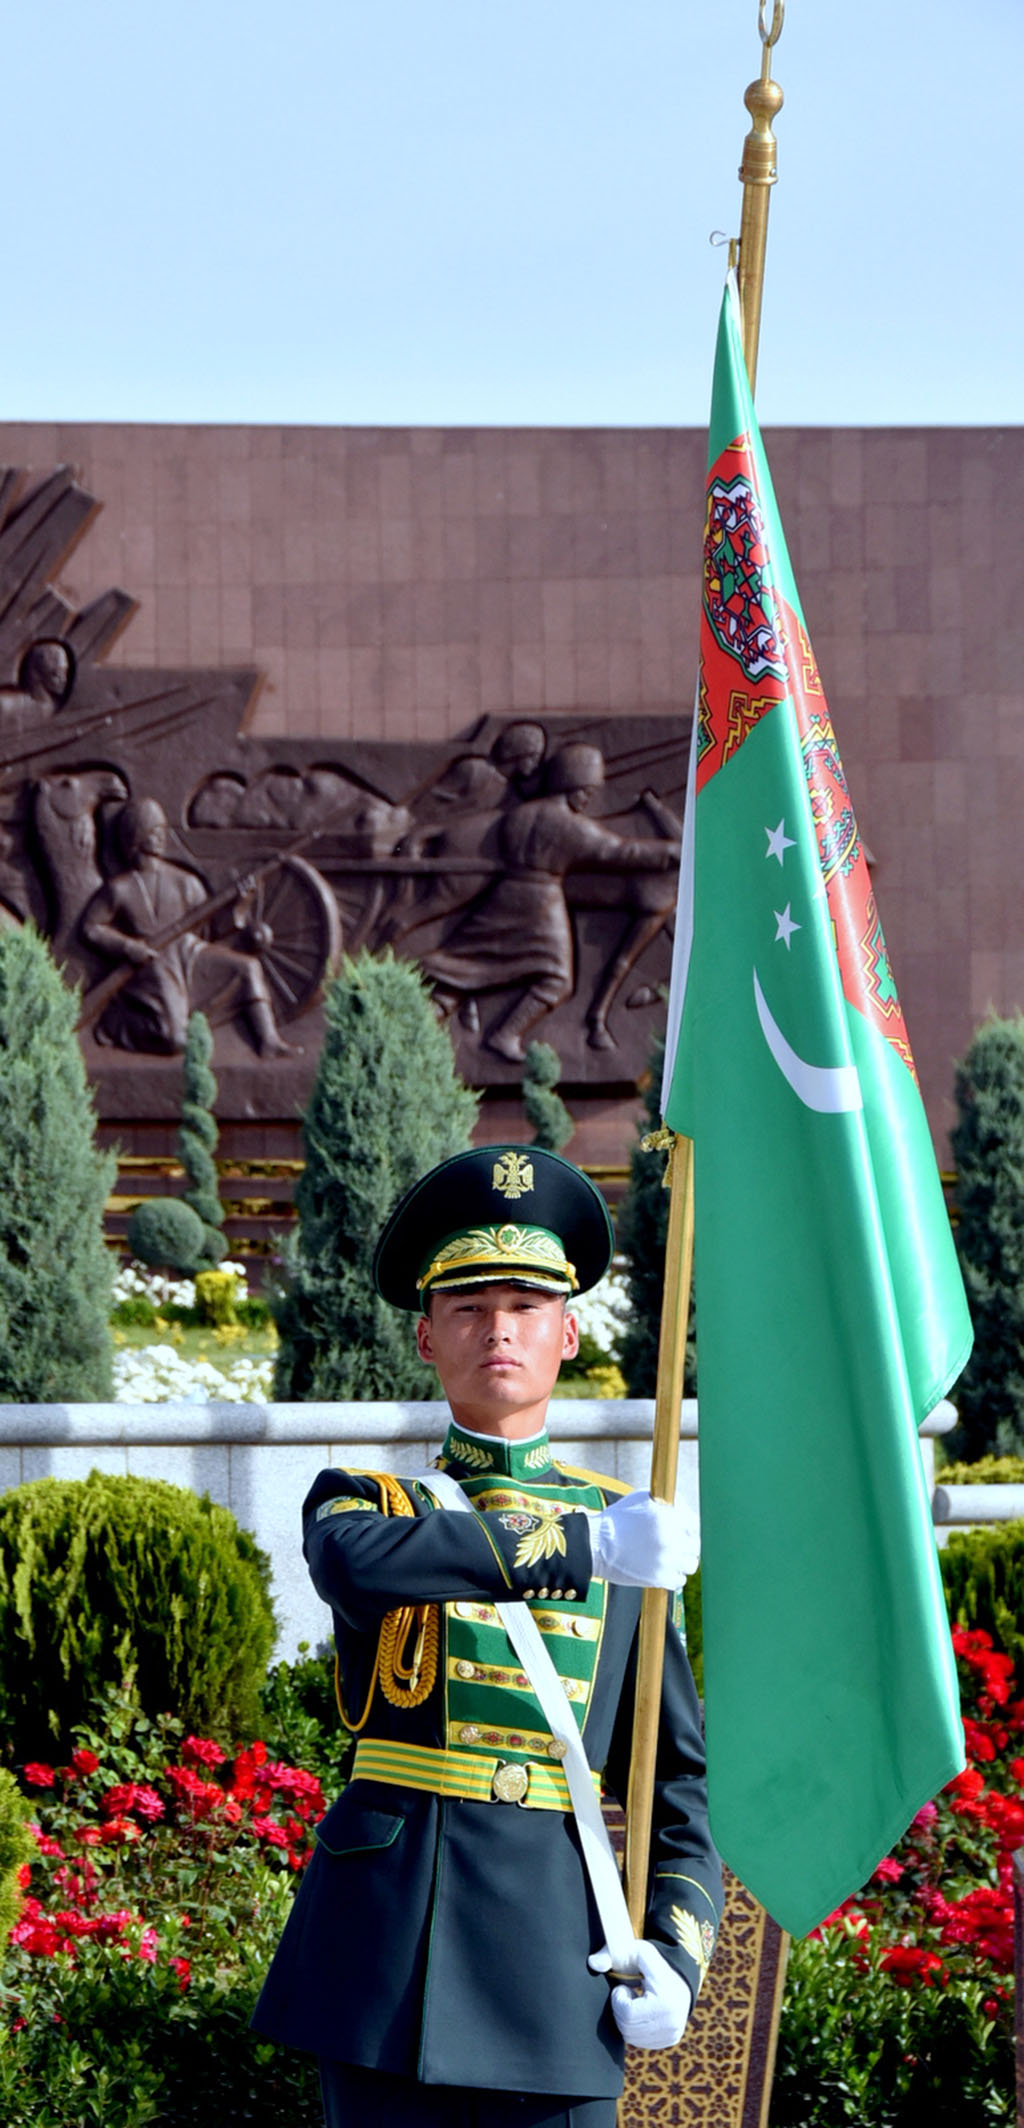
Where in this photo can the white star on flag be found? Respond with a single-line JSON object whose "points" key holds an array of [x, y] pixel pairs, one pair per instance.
{"points": [[779, 841], [785, 926]]}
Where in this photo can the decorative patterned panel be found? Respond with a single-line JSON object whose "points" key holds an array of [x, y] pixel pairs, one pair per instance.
{"points": [[720, 2077]]}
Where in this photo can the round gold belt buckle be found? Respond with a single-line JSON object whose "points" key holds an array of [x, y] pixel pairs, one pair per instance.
{"points": [[509, 1784]]}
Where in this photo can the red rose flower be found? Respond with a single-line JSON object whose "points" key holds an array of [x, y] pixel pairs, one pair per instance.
{"points": [[84, 1760], [202, 1751], [889, 1871], [39, 1776], [908, 1965]]}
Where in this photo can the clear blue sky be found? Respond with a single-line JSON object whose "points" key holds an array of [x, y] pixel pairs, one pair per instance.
{"points": [[497, 211]]}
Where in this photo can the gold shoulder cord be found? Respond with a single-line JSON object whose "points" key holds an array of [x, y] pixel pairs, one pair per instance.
{"points": [[404, 1684]]}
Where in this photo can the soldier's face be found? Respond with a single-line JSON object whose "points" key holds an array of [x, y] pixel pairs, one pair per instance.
{"points": [[498, 1350]]}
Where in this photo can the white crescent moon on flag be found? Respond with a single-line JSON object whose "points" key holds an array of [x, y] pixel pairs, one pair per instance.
{"points": [[831, 1089]]}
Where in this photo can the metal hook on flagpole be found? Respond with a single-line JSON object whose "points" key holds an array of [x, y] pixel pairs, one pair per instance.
{"points": [[718, 238], [770, 36]]}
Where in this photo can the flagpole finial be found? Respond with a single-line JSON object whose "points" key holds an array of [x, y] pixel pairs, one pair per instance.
{"points": [[758, 173]]}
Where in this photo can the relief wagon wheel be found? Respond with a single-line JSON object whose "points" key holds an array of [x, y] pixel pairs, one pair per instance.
{"points": [[295, 926]]}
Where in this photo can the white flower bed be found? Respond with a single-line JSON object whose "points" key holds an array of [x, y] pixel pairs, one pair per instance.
{"points": [[157, 1374], [134, 1281]]}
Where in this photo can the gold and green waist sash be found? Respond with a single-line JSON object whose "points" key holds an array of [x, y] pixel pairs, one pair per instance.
{"points": [[470, 1775]]}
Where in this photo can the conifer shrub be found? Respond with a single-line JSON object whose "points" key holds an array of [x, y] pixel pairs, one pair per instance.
{"points": [[197, 1138], [108, 1575], [983, 1578], [640, 1234], [546, 1112], [16, 1848], [988, 1147], [167, 1234], [55, 1270], [387, 1104]]}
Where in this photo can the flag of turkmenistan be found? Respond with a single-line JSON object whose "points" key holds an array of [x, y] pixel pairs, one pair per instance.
{"points": [[831, 1316]]}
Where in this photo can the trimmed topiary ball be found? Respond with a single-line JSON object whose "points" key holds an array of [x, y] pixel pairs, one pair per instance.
{"points": [[167, 1234]]}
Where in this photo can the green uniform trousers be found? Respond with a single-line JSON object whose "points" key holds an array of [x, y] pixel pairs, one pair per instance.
{"points": [[370, 2098]]}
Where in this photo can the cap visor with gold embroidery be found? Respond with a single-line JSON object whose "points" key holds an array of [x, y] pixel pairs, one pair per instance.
{"points": [[498, 1214]]}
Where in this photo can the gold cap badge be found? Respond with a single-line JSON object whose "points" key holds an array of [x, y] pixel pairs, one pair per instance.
{"points": [[513, 1175]]}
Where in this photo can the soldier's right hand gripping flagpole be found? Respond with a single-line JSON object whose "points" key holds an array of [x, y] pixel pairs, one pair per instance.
{"points": [[757, 173]]}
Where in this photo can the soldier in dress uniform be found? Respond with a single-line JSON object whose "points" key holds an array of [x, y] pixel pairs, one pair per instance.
{"points": [[444, 1957]]}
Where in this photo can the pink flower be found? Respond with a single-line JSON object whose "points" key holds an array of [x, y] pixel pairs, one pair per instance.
{"points": [[202, 1751], [925, 1817], [274, 1835], [147, 1946], [45, 1844], [889, 1871], [148, 1805]]}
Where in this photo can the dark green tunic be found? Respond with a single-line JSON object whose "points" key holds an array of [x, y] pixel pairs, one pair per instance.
{"points": [[447, 1938]]}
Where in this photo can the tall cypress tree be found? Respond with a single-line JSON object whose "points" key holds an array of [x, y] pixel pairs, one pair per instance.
{"points": [[387, 1104], [546, 1112], [197, 1138], [55, 1271], [988, 1147]]}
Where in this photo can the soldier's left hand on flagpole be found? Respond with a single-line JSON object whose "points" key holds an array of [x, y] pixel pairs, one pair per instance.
{"points": [[657, 2015], [639, 1542]]}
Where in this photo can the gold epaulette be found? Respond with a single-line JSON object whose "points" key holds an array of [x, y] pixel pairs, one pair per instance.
{"points": [[599, 1478]]}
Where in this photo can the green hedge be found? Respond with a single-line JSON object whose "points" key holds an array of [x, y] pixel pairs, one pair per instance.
{"points": [[983, 1577], [107, 1575], [989, 1470], [16, 1846]]}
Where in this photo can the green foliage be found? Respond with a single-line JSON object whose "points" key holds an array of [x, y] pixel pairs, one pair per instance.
{"points": [[55, 1271], [694, 1617], [856, 2046], [300, 1713], [103, 1575], [988, 1470], [546, 1112], [983, 1578], [135, 1312], [386, 1105], [16, 1847], [640, 1234], [197, 1137], [988, 1147], [116, 2043], [215, 1297], [166, 1233], [254, 1312]]}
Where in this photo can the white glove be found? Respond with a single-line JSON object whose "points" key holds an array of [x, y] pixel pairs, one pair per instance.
{"points": [[642, 1543], [656, 2017]]}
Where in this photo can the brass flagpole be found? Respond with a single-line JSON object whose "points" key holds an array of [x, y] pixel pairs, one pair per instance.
{"points": [[757, 174]]}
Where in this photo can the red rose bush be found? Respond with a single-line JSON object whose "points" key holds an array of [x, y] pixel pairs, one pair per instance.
{"points": [[899, 2009], [163, 1870]]}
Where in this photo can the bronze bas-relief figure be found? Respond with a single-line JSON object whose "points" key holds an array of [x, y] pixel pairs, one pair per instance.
{"points": [[174, 862]]}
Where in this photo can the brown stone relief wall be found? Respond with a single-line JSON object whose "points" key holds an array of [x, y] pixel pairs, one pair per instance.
{"points": [[398, 583]]}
